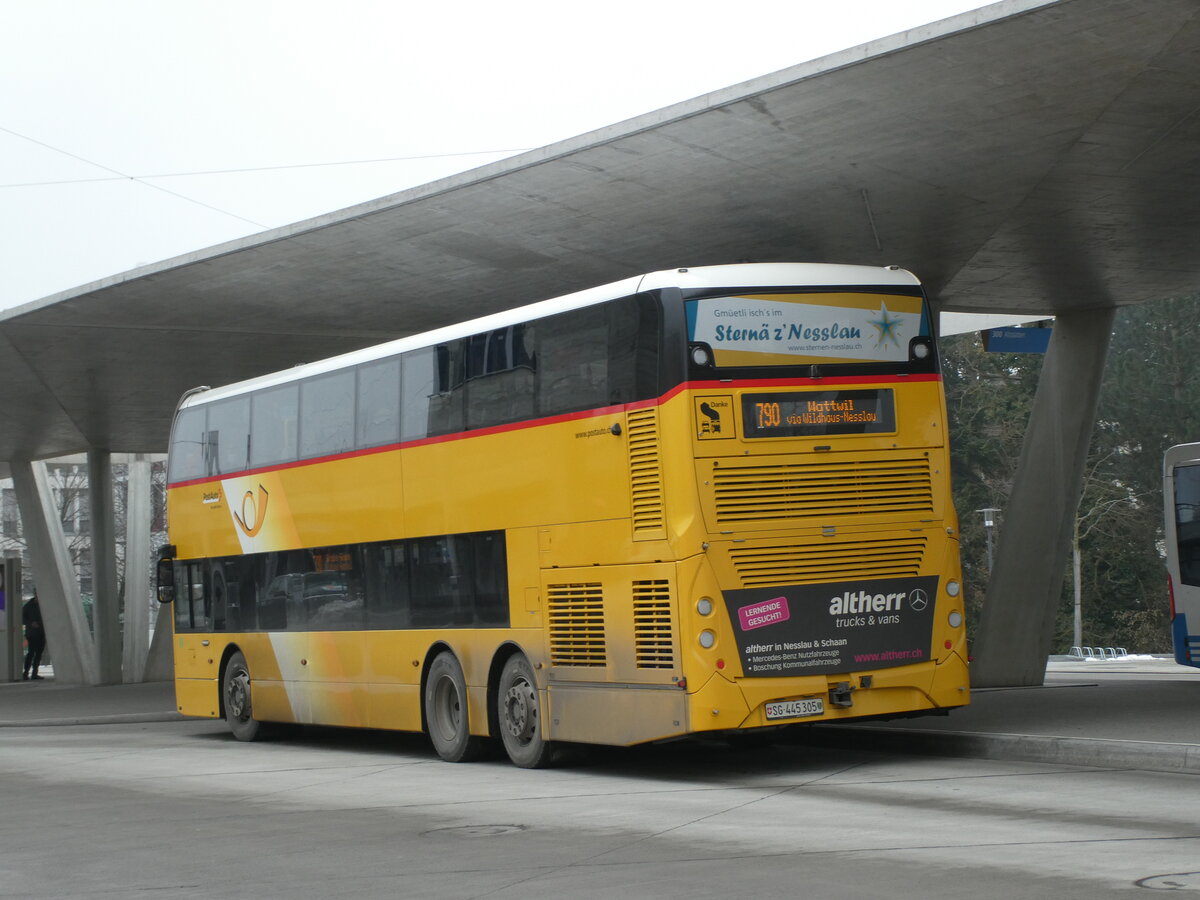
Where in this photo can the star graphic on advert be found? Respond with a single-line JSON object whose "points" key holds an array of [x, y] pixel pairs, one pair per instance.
{"points": [[886, 325]]}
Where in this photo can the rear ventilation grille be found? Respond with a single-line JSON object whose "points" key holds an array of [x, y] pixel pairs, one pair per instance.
{"points": [[576, 613], [757, 493], [645, 474], [654, 641], [829, 561]]}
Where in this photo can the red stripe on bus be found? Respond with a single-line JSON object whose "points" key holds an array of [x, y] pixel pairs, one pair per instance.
{"points": [[568, 417]]}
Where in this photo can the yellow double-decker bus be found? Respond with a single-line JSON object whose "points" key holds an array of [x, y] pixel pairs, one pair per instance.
{"points": [[698, 500]]}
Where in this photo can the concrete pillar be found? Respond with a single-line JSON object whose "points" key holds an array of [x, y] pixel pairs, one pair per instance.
{"points": [[68, 638], [137, 569], [106, 608], [1017, 626], [160, 664]]}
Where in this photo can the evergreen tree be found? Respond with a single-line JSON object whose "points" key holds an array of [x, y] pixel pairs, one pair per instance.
{"points": [[988, 398]]}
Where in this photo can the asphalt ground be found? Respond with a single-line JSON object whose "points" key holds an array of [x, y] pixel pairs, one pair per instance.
{"points": [[1139, 713]]}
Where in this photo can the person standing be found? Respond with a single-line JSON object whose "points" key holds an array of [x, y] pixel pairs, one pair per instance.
{"points": [[35, 638]]}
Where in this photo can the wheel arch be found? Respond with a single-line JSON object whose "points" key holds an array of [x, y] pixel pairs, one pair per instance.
{"points": [[434, 649]]}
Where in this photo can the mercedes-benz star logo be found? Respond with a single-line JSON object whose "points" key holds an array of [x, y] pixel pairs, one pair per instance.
{"points": [[918, 600]]}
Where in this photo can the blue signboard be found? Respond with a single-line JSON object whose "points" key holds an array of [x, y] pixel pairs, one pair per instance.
{"points": [[1016, 340]]}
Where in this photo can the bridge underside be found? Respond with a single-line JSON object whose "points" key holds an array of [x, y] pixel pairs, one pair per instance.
{"points": [[1035, 156]]}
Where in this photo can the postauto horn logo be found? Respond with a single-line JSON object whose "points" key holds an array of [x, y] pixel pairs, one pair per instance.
{"points": [[253, 512]]}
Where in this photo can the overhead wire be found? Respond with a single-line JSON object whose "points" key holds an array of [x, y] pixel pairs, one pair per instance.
{"points": [[144, 179], [122, 176]]}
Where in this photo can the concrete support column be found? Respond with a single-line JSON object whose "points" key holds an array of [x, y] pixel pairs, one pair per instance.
{"points": [[1017, 626], [160, 664], [106, 607], [67, 635], [137, 569]]}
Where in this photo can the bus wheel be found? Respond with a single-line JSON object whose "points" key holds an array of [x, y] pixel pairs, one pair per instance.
{"points": [[520, 717], [446, 711], [235, 691]]}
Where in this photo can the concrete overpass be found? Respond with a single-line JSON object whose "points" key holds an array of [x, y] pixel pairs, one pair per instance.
{"points": [[1034, 156]]}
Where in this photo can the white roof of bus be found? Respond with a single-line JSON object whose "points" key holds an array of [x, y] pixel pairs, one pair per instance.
{"points": [[745, 275]]}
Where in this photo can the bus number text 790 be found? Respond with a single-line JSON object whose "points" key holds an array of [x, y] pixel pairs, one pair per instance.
{"points": [[768, 415]]}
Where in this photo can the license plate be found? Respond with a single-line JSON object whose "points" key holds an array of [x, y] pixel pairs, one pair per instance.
{"points": [[794, 709]]}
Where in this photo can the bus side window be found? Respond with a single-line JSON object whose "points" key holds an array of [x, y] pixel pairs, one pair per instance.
{"points": [[186, 458], [275, 425], [333, 594], [490, 567], [228, 441], [191, 600], [446, 401], [572, 355], [378, 420], [434, 390], [327, 414], [236, 613], [215, 578], [500, 378], [272, 595], [434, 582], [385, 580], [633, 329]]}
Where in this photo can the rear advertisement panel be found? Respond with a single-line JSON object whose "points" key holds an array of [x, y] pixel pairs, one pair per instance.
{"points": [[804, 329], [845, 626]]}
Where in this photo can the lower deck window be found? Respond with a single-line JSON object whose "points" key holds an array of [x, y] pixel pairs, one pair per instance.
{"points": [[449, 581]]}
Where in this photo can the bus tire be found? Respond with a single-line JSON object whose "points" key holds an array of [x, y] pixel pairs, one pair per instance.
{"points": [[235, 696], [446, 711], [519, 715]]}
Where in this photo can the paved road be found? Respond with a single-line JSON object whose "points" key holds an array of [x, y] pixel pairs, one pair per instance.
{"points": [[180, 810]]}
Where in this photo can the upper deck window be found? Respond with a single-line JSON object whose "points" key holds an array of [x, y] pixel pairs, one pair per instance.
{"points": [[228, 436], [577, 360], [275, 426], [187, 445], [327, 414]]}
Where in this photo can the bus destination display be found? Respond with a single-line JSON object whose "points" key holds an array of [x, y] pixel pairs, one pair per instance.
{"points": [[816, 413]]}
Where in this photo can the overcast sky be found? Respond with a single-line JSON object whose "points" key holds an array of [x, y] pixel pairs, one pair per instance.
{"points": [[136, 130]]}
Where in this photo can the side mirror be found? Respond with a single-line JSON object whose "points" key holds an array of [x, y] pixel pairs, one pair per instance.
{"points": [[166, 580]]}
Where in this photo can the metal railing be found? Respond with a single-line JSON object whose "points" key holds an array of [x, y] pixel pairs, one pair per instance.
{"points": [[1098, 652]]}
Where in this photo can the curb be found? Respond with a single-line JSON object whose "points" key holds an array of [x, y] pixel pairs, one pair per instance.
{"points": [[115, 719], [1064, 751]]}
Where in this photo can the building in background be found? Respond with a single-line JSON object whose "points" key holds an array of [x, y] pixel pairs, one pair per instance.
{"points": [[68, 477]]}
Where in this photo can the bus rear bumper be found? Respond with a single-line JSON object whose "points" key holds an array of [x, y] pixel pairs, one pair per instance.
{"points": [[919, 689]]}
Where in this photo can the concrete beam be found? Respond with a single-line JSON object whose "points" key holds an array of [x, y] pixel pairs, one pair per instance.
{"points": [[1017, 626], [67, 635]]}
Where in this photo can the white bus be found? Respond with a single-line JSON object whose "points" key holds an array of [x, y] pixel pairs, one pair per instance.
{"points": [[1181, 504]]}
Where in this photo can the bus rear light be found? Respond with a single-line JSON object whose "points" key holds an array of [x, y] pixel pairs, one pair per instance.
{"points": [[953, 587], [707, 639], [720, 663], [1171, 595], [955, 619], [949, 645], [704, 606]]}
